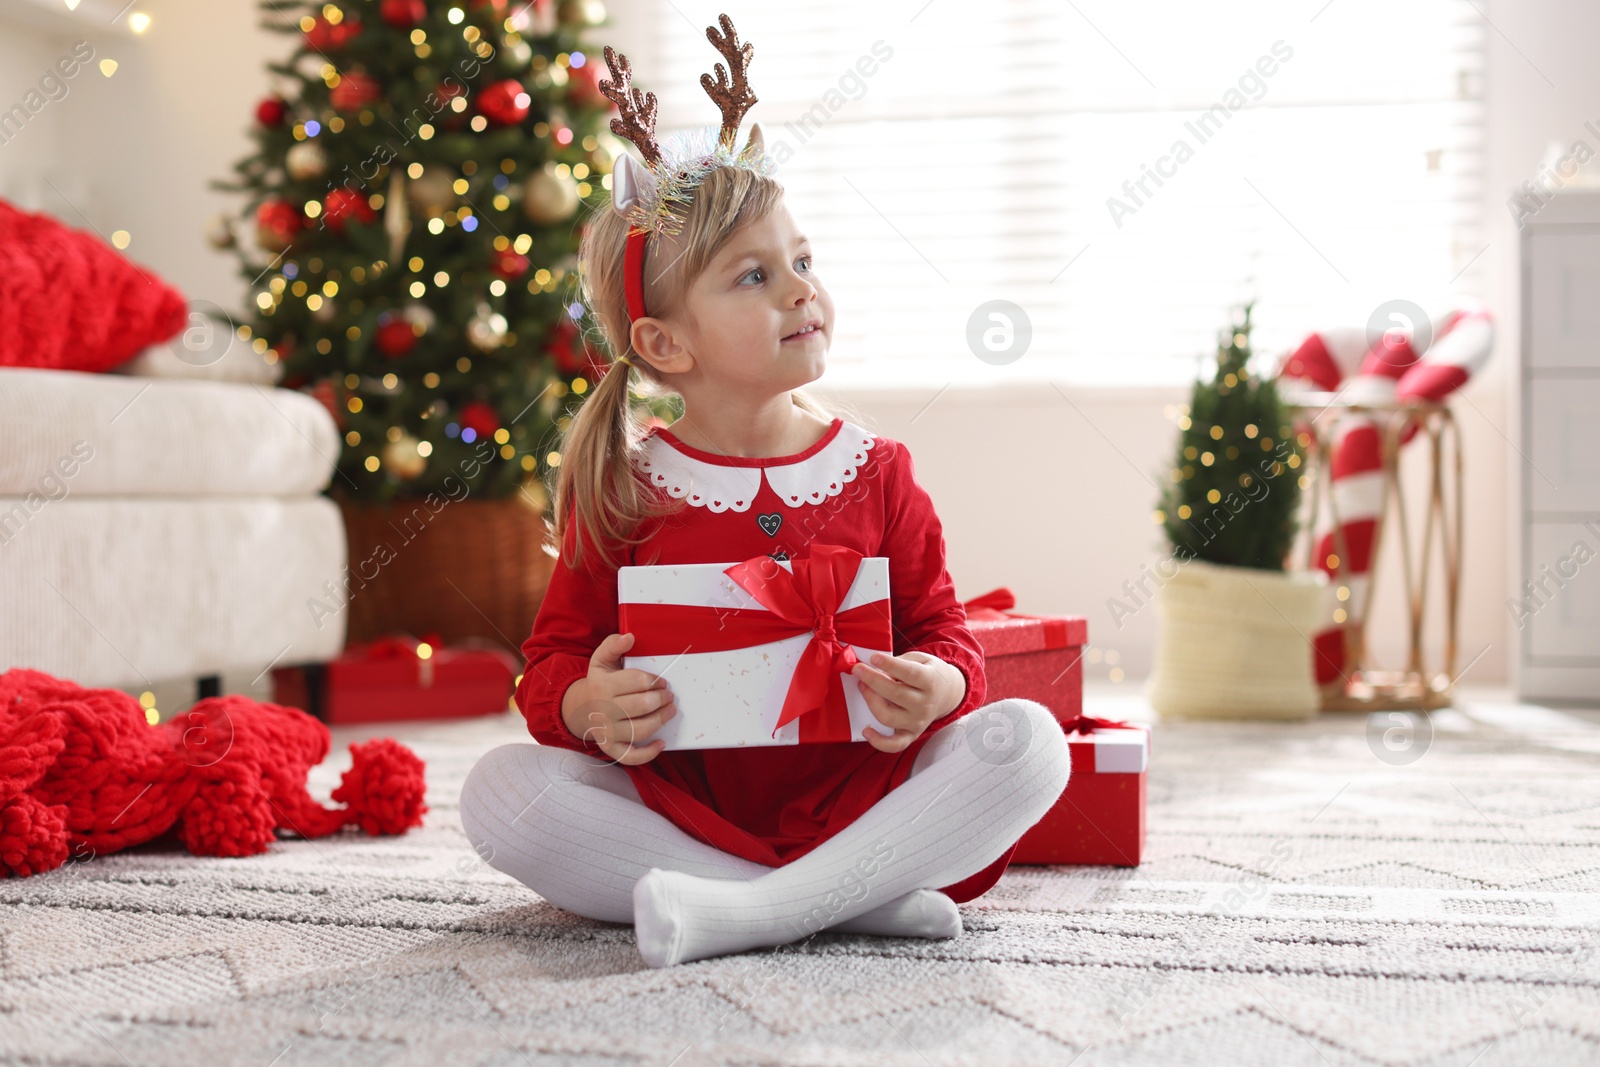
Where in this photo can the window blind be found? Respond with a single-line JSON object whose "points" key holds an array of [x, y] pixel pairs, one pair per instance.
{"points": [[1122, 173]]}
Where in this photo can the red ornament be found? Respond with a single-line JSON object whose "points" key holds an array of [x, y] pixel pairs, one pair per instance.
{"points": [[448, 91], [356, 90], [320, 36], [583, 86], [509, 264], [326, 392], [504, 103], [277, 223], [559, 345], [395, 336], [403, 14], [499, 6], [272, 111], [343, 204], [325, 36], [480, 418]]}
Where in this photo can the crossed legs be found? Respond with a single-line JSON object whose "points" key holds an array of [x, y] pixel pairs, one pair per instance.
{"points": [[573, 829]]}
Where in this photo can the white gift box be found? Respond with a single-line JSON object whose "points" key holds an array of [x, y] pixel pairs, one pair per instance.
{"points": [[734, 697]]}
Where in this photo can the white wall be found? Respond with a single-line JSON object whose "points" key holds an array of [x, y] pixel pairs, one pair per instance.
{"points": [[1043, 493], [135, 151], [27, 52]]}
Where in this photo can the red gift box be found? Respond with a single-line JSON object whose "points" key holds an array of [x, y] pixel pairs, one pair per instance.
{"points": [[1099, 817], [1038, 657], [400, 677]]}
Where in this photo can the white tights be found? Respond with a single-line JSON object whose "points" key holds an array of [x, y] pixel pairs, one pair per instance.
{"points": [[573, 828]]}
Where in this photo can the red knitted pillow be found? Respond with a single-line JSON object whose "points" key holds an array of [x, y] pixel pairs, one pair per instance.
{"points": [[69, 301]]}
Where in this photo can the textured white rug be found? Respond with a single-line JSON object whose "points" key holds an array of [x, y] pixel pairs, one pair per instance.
{"points": [[1304, 901]]}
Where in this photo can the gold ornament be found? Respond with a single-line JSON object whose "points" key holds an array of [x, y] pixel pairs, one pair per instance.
{"points": [[487, 329], [549, 197], [401, 457], [306, 161], [433, 193], [396, 219], [219, 231], [582, 12]]}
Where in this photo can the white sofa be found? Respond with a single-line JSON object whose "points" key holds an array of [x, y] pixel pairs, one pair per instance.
{"points": [[156, 528]]}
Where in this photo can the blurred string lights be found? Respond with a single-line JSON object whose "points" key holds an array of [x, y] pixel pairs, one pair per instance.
{"points": [[1178, 415]]}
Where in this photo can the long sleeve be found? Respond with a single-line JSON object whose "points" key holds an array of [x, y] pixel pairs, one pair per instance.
{"points": [[579, 611], [926, 614]]}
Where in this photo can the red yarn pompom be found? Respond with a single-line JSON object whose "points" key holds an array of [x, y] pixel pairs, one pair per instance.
{"points": [[33, 837], [383, 787], [229, 816]]}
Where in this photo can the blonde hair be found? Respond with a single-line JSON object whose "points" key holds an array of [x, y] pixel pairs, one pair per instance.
{"points": [[596, 485]]}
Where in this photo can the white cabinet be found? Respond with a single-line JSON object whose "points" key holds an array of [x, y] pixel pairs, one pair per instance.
{"points": [[1555, 605]]}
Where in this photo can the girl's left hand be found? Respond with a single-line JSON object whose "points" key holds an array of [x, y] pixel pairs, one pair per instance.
{"points": [[907, 692]]}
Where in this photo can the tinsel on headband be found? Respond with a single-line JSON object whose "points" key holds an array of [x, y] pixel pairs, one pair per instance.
{"points": [[687, 158]]}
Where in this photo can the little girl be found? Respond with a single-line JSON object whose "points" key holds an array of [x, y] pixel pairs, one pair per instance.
{"points": [[712, 851]]}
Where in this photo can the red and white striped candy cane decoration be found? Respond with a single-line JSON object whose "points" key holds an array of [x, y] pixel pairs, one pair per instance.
{"points": [[1395, 367]]}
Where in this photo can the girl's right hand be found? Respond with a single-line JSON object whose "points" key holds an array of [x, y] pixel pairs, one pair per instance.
{"points": [[617, 708]]}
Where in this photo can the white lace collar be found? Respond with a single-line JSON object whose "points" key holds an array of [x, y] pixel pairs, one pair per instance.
{"points": [[725, 486]]}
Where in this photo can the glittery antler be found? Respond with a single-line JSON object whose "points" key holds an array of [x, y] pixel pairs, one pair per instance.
{"points": [[732, 96], [637, 118]]}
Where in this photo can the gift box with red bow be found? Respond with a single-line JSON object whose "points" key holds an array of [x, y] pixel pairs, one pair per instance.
{"points": [[401, 677], [758, 652], [1038, 657], [1099, 817]]}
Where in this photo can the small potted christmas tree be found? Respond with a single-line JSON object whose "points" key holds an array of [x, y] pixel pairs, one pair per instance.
{"points": [[1235, 625]]}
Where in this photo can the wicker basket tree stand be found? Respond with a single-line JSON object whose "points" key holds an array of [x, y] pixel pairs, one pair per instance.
{"points": [[458, 569]]}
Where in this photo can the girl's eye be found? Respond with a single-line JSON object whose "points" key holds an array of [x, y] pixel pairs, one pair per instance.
{"points": [[757, 270], [752, 270]]}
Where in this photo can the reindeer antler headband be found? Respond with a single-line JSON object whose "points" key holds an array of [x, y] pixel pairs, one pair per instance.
{"points": [[649, 195]]}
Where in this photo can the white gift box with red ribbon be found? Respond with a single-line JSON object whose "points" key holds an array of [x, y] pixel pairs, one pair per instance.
{"points": [[758, 652]]}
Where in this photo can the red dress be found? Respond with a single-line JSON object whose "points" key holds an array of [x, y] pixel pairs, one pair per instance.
{"points": [[769, 804]]}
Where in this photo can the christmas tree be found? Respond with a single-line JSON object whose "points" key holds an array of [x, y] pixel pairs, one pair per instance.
{"points": [[1227, 500], [414, 195]]}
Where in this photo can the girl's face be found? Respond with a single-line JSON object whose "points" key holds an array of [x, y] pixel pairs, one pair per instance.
{"points": [[744, 327]]}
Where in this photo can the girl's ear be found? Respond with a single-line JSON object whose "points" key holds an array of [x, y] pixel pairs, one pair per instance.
{"points": [[654, 342]]}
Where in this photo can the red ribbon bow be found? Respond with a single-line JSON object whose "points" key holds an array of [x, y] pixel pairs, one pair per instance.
{"points": [[395, 646], [996, 605], [1085, 724], [804, 599], [400, 646], [1002, 599]]}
